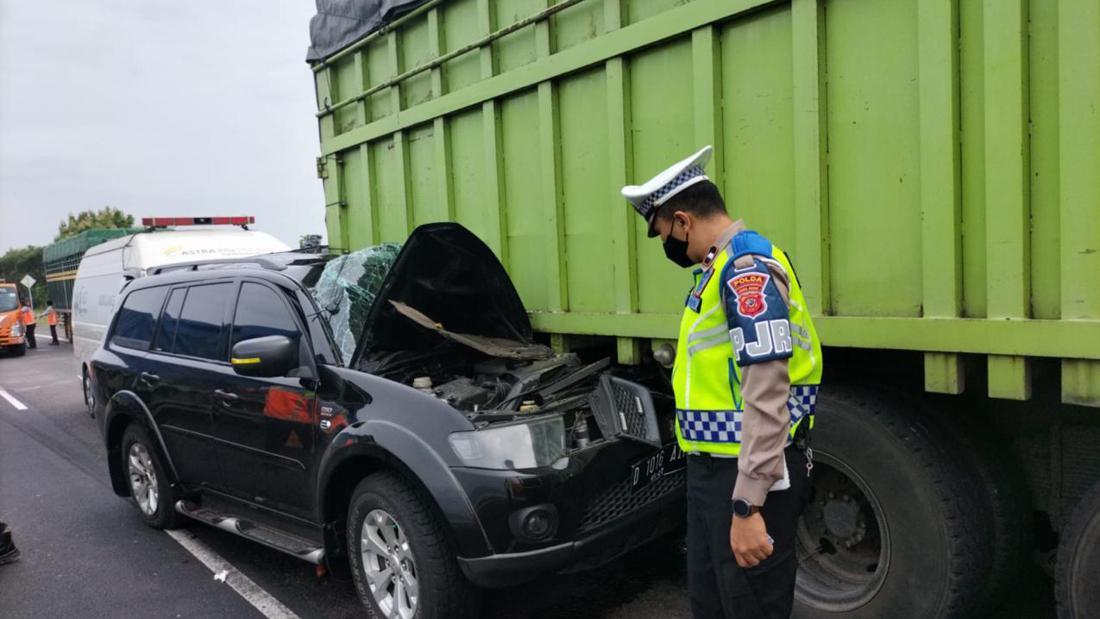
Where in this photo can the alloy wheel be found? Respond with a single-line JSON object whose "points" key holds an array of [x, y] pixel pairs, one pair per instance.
{"points": [[389, 566], [143, 479]]}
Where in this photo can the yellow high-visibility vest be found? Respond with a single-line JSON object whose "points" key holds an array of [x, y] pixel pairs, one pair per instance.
{"points": [[712, 347]]}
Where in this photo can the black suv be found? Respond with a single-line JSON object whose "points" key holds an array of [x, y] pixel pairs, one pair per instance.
{"points": [[223, 397]]}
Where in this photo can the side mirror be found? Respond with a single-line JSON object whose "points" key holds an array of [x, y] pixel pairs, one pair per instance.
{"points": [[268, 356]]}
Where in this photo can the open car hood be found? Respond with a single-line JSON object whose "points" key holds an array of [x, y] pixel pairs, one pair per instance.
{"points": [[458, 289]]}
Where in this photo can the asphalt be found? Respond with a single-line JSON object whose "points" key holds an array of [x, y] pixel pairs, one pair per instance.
{"points": [[85, 551]]}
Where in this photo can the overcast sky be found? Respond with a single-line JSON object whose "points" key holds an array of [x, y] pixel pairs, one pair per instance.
{"points": [[158, 107]]}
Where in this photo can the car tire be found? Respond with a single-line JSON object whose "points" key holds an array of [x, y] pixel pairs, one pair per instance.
{"points": [[1078, 568], [893, 528], [147, 480], [388, 510], [88, 392], [20, 350]]}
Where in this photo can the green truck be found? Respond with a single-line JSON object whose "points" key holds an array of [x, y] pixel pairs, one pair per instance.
{"points": [[931, 166], [62, 259]]}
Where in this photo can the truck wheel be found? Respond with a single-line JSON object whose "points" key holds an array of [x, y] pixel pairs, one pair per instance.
{"points": [[892, 530], [19, 350], [150, 489], [89, 393], [1079, 560], [401, 560], [1003, 485]]}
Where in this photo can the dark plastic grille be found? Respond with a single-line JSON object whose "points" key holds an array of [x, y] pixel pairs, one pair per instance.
{"points": [[618, 501], [625, 409], [630, 405]]}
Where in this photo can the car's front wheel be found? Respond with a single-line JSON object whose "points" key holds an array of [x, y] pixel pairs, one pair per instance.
{"points": [[150, 489], [401, 560]]}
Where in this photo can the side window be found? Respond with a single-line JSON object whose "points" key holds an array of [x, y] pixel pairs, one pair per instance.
{"points": [[137, 317], [261, 312], [199, 332], [166, 328]]}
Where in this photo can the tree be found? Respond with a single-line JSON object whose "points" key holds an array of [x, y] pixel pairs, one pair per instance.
{"points": [[26, 261], [107, 217]]}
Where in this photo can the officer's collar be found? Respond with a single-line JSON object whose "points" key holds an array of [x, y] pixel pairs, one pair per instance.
{"points": [[723, 241]]}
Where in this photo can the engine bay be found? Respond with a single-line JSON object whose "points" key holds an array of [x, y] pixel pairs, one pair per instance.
{"points": [[594, 402]]}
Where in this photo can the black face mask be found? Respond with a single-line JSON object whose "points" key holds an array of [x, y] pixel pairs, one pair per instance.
{"points": [[677, 251]]}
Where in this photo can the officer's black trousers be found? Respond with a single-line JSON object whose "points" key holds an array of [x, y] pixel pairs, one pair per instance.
{"points": [[29, 336], [717, 586]]}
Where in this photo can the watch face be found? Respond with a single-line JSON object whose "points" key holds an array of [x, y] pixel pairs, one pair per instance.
{"points": [[742, 508]]}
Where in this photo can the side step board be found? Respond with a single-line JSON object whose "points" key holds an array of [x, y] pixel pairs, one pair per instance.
{"points": [[272, 538]]}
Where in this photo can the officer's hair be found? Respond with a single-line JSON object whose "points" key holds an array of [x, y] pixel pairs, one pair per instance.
{"points": [[702, 200]]}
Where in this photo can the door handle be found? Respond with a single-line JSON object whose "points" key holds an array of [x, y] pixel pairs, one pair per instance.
{"points": [[226, 398], [149, 379]]}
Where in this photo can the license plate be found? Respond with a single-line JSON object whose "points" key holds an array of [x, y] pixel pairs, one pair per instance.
{"points": [[651, 468]]}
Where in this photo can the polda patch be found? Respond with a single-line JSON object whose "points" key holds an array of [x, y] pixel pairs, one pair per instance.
{"points": [[749, 290]]}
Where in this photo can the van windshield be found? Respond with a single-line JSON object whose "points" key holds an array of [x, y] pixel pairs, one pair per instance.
{"points": [[8, 300]]}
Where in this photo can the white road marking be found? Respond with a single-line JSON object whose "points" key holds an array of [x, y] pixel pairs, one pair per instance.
{"points": [[243, 585], [19, 406]]}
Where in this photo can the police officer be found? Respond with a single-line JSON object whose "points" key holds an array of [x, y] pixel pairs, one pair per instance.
{"points": [[748, 364]]}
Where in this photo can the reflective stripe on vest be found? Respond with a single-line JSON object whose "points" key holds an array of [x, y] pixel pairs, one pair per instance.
{"points": [[707, 378]]}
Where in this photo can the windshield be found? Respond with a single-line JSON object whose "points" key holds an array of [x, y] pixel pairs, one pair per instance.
{"points": [[347, 288], [8, 300]]}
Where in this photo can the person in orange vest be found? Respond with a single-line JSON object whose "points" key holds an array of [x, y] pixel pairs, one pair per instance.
{"points": [[28, 324], [51, 319]]}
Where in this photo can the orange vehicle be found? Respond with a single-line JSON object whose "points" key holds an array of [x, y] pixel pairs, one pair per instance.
{"points": [[11, 328]]}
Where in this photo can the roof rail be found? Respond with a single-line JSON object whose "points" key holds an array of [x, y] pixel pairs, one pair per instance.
{"points": [[266, 263]]}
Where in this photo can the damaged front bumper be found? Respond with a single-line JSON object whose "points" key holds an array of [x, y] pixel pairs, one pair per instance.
{"points": [[589, 511]]}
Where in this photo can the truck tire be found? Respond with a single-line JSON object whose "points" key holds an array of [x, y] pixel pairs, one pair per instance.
{"points": [[19, 350], [894, 528], [1009, 519], [401, 555], [1078, 569], [146, 477]]}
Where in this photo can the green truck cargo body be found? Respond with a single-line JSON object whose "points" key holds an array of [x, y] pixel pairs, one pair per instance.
{"points": [[62, 259], [931, 167]]}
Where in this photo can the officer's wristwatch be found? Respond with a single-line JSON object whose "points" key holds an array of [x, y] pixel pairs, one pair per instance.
{"points": [[743, 509]]}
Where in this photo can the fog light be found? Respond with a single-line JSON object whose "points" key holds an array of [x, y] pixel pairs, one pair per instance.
{"points": [[535, 524]]}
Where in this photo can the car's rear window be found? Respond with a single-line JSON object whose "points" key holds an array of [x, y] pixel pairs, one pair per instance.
{"points": [[137, 317]]}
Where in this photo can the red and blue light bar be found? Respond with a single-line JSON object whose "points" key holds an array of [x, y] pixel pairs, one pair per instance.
{"points": [[161, 222]]}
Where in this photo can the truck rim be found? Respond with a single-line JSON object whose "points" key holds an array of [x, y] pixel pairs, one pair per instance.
{"points": [[842, 541], [389, 565]]}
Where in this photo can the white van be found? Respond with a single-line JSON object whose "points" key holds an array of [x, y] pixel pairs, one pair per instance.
{"points": [[105, 268]]}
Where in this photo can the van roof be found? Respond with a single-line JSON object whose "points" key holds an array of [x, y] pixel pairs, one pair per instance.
{"points": [[159, 247]]}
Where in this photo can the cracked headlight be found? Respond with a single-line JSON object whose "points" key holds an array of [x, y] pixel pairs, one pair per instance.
{"points": [[527, 444]]}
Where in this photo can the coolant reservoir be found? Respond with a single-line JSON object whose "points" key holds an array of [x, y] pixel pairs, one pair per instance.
{"points": [[423, 383]]}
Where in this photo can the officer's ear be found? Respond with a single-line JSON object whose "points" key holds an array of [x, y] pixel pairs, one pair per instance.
{"points": [[684, 219]]}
